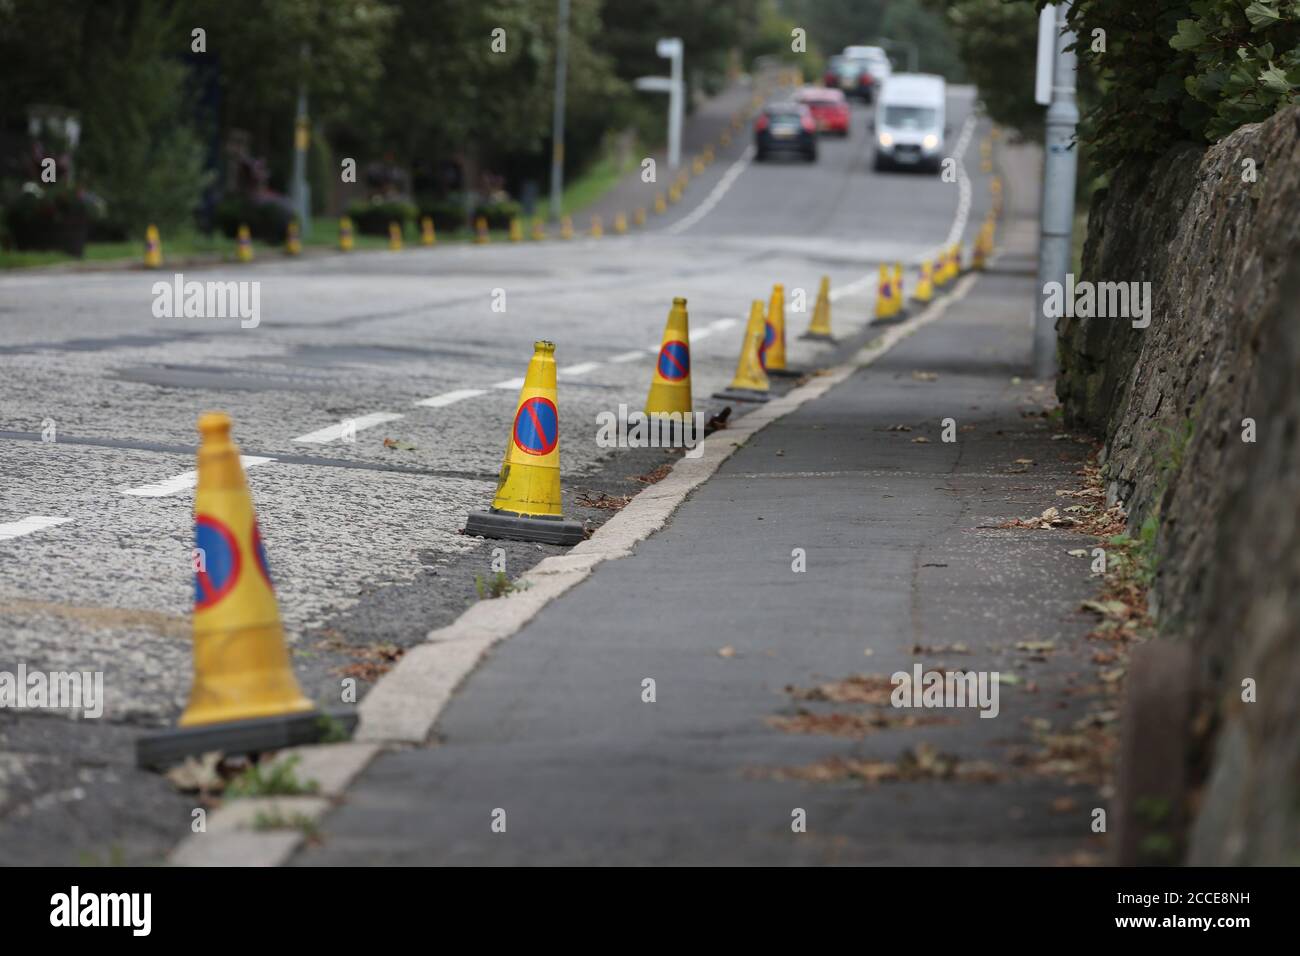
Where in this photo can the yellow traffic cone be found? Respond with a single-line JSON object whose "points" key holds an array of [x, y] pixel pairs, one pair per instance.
{"points": [[925, 287], [152, 248], [900, 301], [244, 245], [428, 233], [539, 229], [620, 225], [977, 252], [670, 389], [774, 336], [697, 165], [244, 697], [886, 307], [674, 193], [661, 205], [516, 230], [566, 227], [345, 234], [292, 240], [820, 326], [481, 234], [725, 138], [597, 227], [638, 217], [751, 383], [527, 504], [395, 236], [941, 269], [955, 259]]}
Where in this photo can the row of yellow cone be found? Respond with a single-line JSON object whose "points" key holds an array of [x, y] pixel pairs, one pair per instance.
{"points": [[936, 273], [621, 223]]}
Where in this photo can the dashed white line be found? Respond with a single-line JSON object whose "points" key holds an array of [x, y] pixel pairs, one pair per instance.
{"points": [[582, 368], [622, 357], [16, 529], [170, 486], [452, 397], [335, 432], [510, 383]]}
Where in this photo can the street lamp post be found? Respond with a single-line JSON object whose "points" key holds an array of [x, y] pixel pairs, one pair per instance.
{"points": [[1060, 169], [557, 119]]}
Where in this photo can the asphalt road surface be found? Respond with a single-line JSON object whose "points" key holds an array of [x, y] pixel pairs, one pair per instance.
{"points": [[362, 538]]}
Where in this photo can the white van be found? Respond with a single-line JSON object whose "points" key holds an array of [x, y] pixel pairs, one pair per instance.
{"points": [[910, 122]]}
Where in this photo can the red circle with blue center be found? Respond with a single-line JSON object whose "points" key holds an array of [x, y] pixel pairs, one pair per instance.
{"points": [[221, 562], [537, 426], [769, 338], [674, 361]]}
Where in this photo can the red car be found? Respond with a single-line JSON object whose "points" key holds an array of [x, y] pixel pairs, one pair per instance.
{"points": [[830, 109]]}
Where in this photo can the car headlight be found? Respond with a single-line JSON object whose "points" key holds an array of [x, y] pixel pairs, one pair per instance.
{"points": [[930, 142], [886, 140]]}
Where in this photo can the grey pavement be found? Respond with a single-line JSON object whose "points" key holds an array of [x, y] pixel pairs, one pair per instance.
{"points": [[905, 563]]}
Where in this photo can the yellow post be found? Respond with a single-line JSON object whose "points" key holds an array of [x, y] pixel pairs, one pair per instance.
{"points": [[152, 248], [292, 240], [395, 236], [345, 234], [428, 234], [244, 245]]}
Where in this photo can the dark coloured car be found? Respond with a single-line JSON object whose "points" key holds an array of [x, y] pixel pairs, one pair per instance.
{"points": [[785, 128]]}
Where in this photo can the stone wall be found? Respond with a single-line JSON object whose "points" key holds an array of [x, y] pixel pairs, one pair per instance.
{"points": [[1223, 257]]}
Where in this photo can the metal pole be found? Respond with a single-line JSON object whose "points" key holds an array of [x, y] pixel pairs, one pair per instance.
{"points": [[675, 104], [1060, 168], [557, 122], [301, 192]]}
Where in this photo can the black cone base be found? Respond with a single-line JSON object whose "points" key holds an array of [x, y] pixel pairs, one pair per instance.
{"points": [[818, 336], [741, 395], [162, 750], [544, 529], [787, 372]]}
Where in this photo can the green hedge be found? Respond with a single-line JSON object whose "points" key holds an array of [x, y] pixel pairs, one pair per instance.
{"points": [[267, 219], [1177, 70], [372, 217]]}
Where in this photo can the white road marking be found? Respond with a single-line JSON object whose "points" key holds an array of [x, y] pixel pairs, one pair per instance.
{"points": [[582, 368], [963, 182], [622, 357], [715, 196], [170, 486], [451, 398], [335, 432], [511, 383], [16, 529]]}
